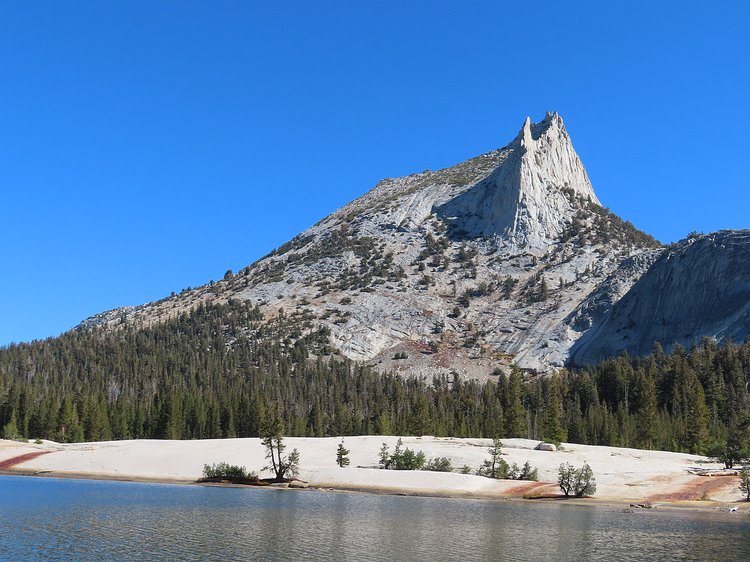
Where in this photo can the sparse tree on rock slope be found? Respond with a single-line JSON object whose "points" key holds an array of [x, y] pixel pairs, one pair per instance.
{"points": [[342, 455], [578, 482], [494, 467], [273, 441], [385, 457]]}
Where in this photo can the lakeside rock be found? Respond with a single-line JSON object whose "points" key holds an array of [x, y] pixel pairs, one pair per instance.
{"points": [[632, 475]]}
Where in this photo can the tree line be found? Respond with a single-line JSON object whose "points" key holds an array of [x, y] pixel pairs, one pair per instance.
{"points": [[221, 371]]}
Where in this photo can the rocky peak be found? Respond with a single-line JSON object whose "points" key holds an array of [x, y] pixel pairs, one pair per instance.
{"points": [[551, 157], [468, 268], [532, 195]]}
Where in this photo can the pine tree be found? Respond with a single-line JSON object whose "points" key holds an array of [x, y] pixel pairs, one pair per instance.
{"points": [[383, 425], [644, 393], [745, 482], [552, 429], [735, 447], [515, 415], [494, 467], [384, 457], [342, 455], [290, 465], [696, 416], [10, 431], [69, 425], [421, 422], [272, 439]]}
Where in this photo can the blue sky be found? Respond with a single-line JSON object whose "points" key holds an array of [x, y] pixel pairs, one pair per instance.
{"points": [[150, 146]]}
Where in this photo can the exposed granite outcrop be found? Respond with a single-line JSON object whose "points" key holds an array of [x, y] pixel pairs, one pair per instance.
{"points": [[506, 257], [699, 287]]}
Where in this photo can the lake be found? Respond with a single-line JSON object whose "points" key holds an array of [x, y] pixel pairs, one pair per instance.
{"points": [[63, 519]]}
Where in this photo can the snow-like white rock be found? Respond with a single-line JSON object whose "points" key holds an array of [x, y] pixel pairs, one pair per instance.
{"points": [[527, 199], [621, 474]]}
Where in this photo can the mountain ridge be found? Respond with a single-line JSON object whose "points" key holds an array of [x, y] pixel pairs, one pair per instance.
{"points": [[712, 269], [469, 268]]}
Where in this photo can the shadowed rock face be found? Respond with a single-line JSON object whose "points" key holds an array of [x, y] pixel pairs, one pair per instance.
{"points": [[698, 288]]}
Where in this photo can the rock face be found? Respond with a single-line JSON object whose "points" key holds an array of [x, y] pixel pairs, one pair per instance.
{"points": [[529, 198], [505, 258], [697, 288]]}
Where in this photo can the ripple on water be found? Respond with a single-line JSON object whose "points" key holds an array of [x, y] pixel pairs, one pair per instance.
{"points": [[54, 519]]}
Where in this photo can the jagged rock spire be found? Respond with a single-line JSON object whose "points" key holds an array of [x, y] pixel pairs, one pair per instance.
{"points": [[555, 161], [531, 196]]}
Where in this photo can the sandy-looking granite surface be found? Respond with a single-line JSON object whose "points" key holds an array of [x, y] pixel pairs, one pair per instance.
{"points": [[622, 475]]}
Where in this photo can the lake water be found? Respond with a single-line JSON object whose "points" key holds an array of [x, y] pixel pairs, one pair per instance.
{"points": [[60, 519]]}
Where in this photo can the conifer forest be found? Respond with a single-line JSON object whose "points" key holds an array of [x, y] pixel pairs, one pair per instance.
{"points": [[219, 371]]}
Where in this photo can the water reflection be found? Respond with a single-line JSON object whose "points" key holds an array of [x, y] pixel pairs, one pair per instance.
{"points": [[85, 520]]}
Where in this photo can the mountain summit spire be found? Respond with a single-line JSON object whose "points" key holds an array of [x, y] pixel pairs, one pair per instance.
{"points": [[532, 195]]}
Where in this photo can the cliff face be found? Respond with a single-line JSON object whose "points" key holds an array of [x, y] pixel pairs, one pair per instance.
{"points": [[507, 257], [697, 288], [530, 198], [467, 268]]}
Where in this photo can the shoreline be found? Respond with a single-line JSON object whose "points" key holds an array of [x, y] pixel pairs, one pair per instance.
{"points": [[707, 506], [624, 477]]}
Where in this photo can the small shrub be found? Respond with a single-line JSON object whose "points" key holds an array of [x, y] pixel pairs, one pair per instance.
{"points": [[439, 464], [499, 469], [465, 469], [400, 460], [504, 471], [224, 470], [409, 460]]}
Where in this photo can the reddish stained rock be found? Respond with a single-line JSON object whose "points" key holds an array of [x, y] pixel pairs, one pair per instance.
{"points": [[10, 463], [699, 487]]}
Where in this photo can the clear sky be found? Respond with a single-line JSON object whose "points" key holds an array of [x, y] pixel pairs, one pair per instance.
{"points": [[150, 146]]}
